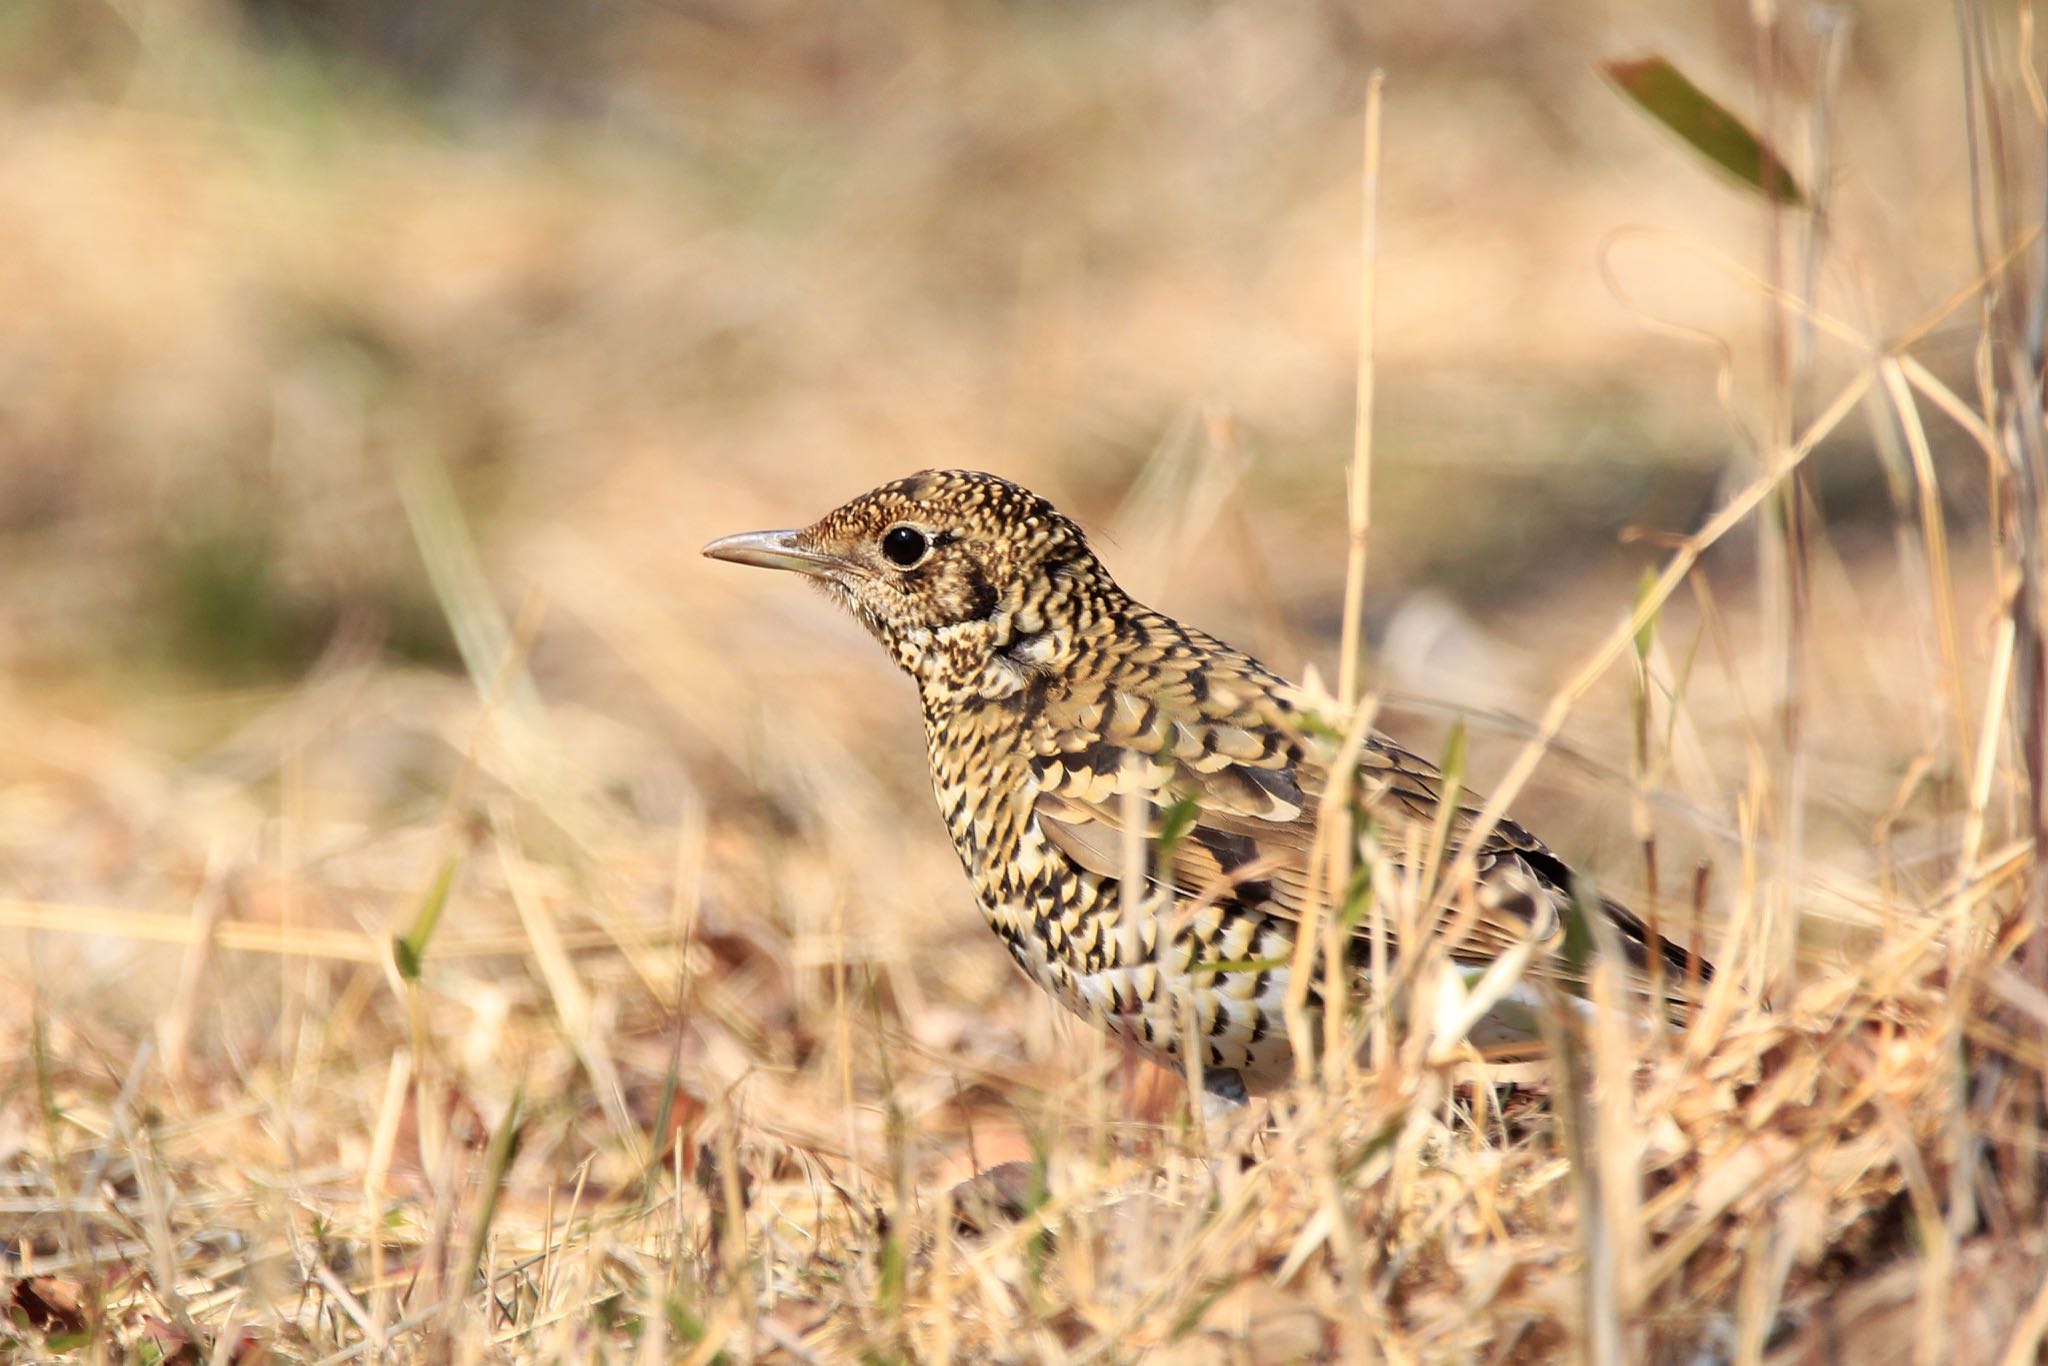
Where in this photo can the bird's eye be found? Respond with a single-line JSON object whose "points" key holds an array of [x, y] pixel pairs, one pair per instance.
{"points": [[904, 546]]}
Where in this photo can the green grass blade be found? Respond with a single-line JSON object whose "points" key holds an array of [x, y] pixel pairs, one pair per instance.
{"points": [[1667, 95], [1646, 634], [410, 948]]}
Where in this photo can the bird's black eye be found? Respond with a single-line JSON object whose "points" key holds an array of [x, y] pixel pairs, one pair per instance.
{"points": [[904, 546]]}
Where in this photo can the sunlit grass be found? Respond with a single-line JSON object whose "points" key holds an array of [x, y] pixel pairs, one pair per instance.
{"points": [[442, 917]]}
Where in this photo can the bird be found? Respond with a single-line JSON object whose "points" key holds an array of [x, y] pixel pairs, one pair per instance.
{"points": [[1084, 747]]}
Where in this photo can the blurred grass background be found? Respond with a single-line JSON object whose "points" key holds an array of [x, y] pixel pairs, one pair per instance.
{"points": [[370, 373], [673, 257], [638, 275]]}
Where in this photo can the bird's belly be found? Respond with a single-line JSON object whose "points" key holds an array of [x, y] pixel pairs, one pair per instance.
{"points": [[1220, 983], [1237, 1025]]}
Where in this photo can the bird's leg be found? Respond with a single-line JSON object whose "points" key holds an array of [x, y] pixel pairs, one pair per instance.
{"points": [[1225, 1104], [1234, 1123], [1226, 1092]]}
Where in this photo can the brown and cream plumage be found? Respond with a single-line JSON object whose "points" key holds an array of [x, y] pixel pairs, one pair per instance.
{"points": [[1055, 707]]}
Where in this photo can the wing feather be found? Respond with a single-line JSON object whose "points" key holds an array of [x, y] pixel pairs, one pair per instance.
{"points": [[1233, 746]]}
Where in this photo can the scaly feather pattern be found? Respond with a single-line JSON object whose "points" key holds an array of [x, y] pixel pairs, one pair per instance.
{"points": [[1059, 713]]}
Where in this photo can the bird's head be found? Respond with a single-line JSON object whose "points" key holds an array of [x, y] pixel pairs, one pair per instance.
{"points": [[969, 581]]}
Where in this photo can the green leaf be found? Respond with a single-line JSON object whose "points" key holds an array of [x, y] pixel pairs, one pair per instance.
{"points": [[683, 1324], [1578, 932], [1678, 688], [1351, 1164], [1357, 896], [1453, 766], [498, 1155], [1452, 796], [1316, 725], [1647, 632], [1179, 819], [1668, 96], [1191, 1317], [410, 948], [894, 1270]]}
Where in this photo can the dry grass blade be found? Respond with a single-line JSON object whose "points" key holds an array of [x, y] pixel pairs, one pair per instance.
{"points": [[442, 919]]}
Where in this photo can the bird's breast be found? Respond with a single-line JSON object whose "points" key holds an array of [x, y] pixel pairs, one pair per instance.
{"points": [[1218, 977], [1031, 896]]}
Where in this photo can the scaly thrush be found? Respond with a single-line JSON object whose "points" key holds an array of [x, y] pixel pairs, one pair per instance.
{"points": [[1056, 708]]}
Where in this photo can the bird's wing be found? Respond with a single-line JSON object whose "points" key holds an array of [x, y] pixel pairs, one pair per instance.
{"points": [[1229, 783]]}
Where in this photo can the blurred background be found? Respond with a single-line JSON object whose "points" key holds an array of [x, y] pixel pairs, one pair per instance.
{"points": [[634, 274], [371, 372]]}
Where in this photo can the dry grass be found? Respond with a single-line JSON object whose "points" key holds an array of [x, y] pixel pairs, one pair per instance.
{"points": [[357, 444]]}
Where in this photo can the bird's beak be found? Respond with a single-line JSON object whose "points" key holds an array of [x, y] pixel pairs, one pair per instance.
{"points": [[774, 550]]}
